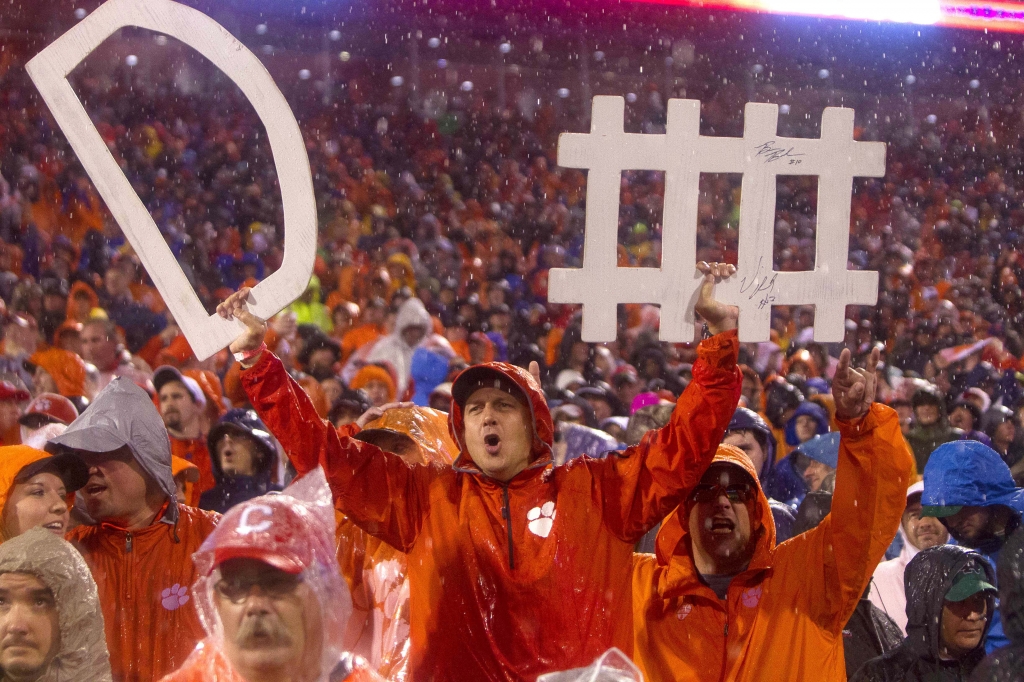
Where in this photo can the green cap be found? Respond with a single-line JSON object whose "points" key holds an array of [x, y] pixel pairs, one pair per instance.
{"points": [[938, 511], [968, 584]]}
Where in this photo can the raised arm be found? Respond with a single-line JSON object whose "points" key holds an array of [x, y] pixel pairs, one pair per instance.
{"points": [[640, 485], [874, 469], [376, 489]]}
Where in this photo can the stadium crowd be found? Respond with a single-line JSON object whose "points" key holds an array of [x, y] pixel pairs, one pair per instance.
{"points": [[443, 441]]}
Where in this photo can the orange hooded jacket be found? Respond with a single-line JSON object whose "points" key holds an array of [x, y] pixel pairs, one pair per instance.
{"points": [[784, 616], [144, 577], [512, 580]]}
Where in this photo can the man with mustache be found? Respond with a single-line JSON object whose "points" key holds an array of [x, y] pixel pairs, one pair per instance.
{"points": [[274, 605], [720, 601]]}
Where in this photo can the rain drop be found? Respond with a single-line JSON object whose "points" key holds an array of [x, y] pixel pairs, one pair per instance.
{"points": [[823, 74], [344, 56], [304, 74], [442, 63], [434, 43], [758, 69], [505, 48], [397, 81], [630, 97], [80, 13], [131, 60], [931, 119], [783, 108], [466, 86], [563, 92], [334, 35], [261, 29], [975, 84], [599, 56], [910, 79]]}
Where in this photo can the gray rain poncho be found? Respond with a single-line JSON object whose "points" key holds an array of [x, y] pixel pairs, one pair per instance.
{"points": [[124, 414], [1007, 664], [928, 577], [83, 648]]}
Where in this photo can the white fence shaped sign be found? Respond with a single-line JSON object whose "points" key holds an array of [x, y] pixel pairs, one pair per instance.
{"points": [[683, 154], [206, 333]]}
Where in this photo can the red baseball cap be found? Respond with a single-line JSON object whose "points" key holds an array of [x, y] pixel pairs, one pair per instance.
{"points": [[9, 391], [271, 529], [49, 408]]}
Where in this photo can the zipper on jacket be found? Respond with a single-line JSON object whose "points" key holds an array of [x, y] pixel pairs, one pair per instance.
{"points": [[506, 512], [128, 542]]}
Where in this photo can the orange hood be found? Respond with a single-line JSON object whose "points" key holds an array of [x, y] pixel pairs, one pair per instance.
{"points": [[673, 542], [66, 368], [427, 427]]}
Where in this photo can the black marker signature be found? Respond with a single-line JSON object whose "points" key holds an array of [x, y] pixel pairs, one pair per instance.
{"points": [[765, 285], [771, 152]]}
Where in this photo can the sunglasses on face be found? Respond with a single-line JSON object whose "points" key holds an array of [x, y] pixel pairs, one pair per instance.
{"points": [[737, 492], [237, 588]]}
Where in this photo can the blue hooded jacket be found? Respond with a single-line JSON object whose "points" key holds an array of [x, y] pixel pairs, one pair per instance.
{"points": [[811, 409], [966, 473], [748, 420], [787, 484], [428, 369]]}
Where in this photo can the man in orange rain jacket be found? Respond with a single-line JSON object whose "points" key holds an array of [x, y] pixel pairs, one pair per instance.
{"points": [[516, 567], [140, 548], [720, 601]]}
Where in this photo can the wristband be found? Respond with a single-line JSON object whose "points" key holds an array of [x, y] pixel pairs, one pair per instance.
{"points": [[250, 354]]}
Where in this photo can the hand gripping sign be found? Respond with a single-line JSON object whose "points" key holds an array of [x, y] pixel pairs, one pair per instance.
{"points": [[207, 334], [683, 153]]}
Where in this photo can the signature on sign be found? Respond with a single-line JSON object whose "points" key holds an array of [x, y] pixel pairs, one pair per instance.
{"points": [[760, 284], [770, 152]]}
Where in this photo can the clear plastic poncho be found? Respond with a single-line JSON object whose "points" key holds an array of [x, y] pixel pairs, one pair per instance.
{"points": [[306, 529], [83, 645]]}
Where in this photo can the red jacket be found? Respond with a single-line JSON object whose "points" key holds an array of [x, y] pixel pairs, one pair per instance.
{"points": [[144, 586], [783, 617], [509, 581]]}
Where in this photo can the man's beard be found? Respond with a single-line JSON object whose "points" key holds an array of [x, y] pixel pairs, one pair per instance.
{"points": [[172, 420], [262, 631]]}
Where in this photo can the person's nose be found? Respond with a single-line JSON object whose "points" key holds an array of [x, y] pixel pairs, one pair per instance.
{"points": [[722, 502], [15, 621], [58, 505], [257, 602]]}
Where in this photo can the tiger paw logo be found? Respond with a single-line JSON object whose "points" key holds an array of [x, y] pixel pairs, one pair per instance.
{"points": [[174, 597], [541, 519], [751, 597]]}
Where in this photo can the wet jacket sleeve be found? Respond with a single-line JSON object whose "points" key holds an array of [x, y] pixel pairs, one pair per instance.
{"points": [[376, 489], [872, 476], [637, 487]]}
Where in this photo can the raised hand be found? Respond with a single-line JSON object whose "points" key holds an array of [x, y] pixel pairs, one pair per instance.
{"points": [[235, 308], [854, 389], [718, 316]]}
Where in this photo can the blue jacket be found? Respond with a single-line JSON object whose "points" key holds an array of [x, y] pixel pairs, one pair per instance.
{"points": [[966, 473], [809, 408]]}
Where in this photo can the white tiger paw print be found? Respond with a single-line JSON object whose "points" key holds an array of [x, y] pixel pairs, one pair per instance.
{"points": [[174, 597], [541, 519]]}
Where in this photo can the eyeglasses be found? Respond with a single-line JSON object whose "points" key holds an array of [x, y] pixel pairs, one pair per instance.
{"points": [[739, 492], [275, 586]]}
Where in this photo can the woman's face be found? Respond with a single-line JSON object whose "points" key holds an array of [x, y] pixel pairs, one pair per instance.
{"points": [[39, 501]]}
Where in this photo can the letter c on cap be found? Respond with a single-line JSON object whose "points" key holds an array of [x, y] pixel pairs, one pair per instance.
{"points": [[245, 528]]}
